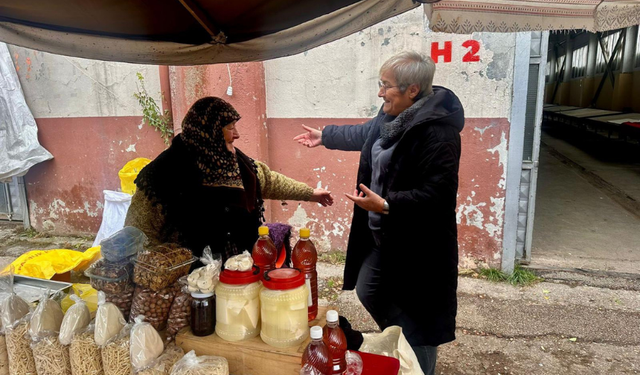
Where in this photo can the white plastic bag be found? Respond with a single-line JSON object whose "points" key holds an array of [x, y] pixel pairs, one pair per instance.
{"points": [[109, 320], [392, 343], [240, 262], [75, 320], [146, 344], [116, 205], [205, 279], [191, 364]]}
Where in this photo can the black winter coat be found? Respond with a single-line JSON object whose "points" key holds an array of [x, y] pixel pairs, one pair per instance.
{"points": [[419, 235]]}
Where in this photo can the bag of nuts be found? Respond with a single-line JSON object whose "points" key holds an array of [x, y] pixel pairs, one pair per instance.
{"points": [[110, 277], [123, 300], [180, 313], [153, 305], [158, 267]]}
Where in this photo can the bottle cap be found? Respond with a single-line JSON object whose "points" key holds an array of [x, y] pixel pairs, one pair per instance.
{"points": [[263, 230], [316, 332], [332, 316], [283, 279], [240, 277], [305, 232], [201, 295]]}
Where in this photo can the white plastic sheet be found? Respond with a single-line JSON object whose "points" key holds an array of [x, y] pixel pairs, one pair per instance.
{"points": [[19, 147], [116, 205]]}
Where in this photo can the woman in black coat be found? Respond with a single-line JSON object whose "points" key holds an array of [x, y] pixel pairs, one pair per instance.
{"points": [[402, 255]]}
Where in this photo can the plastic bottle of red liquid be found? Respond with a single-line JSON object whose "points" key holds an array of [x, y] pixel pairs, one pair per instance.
{"points": [[264, 251], [304, 257], [317, 354], [334, 338]]}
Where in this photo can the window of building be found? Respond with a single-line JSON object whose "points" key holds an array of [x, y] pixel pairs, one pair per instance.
{"points": [[610, 42], [579, 62]]}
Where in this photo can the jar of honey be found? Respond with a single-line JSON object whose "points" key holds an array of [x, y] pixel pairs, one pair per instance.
{"points": [[284, 308]]}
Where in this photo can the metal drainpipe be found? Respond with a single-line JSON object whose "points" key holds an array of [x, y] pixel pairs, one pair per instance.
{"points": [[629, 51]]}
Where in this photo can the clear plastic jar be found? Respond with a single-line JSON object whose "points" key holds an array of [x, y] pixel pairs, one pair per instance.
{"points": [[284, 308], [238, 305]]}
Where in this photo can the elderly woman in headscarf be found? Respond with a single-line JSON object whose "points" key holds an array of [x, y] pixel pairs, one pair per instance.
{"points": [[202, 191]]}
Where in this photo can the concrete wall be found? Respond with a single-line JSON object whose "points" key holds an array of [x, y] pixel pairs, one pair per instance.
{"points": [[91, 123], [336, 84]]}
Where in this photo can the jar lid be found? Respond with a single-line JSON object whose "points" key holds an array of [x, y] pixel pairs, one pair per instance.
{"points": [[283, 279], [240, 277], [201, 295]]}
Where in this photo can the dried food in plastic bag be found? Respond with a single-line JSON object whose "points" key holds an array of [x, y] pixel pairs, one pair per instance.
{"points": [[153, 305], [172, 354], [109, 321], [241, 262], [122, 244], [123, 300], [85, 354], [158, 267], [205, 279], [146, 344], [110, 277], [14, 308], [75, 320], [191, 364], [116, 356], [47, 317], [84, 291], [21, 360], [4, 358], [180, 312], [51, 357]]}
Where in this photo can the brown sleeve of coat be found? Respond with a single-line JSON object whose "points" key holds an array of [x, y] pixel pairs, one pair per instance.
{"points": [[280, 187], [146, 217]]}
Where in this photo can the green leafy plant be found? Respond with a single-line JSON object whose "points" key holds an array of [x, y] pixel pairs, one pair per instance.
{"points": [[153, 115], [519, 276]]}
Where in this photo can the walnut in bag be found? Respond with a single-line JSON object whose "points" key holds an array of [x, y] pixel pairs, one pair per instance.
{"points": [[158, 267], [153, 305], [122, 300], [180, 312]]}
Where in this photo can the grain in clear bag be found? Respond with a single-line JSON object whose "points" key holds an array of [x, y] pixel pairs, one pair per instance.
{"points": [[50, 356], [191, 364], [19, 352], [163, 365], [85, 354]]}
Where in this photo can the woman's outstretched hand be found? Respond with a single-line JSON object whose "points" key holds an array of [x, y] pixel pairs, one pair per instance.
{"points": [[322, 196], [312, 138]]}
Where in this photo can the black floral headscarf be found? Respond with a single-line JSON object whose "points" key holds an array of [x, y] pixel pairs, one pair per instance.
{"points": [[203, 137]]}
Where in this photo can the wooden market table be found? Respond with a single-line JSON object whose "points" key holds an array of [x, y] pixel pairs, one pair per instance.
{"points": [[251, 357]]}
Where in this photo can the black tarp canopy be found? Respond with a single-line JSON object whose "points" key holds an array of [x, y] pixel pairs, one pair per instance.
{"points": [[187, 32]]}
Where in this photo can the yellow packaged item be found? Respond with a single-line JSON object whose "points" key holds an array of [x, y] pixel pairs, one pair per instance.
{"points": [[43, 264], [129, 172], [88, 295]]}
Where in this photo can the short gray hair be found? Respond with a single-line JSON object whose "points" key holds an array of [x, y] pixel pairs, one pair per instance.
{"points": [[409, 68]]}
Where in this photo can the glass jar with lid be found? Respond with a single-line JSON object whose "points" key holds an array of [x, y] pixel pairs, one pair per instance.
{"points": [[238, 304], [203, 314], [284, 308]]}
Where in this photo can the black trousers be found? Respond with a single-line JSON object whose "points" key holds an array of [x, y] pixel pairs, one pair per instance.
{"points": [[377, 298]]}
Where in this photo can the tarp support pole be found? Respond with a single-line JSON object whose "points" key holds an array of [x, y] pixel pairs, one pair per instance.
{"points": [[217, 35]]}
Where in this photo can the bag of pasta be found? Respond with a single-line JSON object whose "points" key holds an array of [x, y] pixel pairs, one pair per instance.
{"points": [[6, 291], [146, 344], [86, 358], [116, 357], [191, 364], [75, 320], [172, 354], [50, 356], [15, 323]]}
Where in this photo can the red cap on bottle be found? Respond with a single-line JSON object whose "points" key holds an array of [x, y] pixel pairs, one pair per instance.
{"points": [[240, 277], [283, 279]]}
